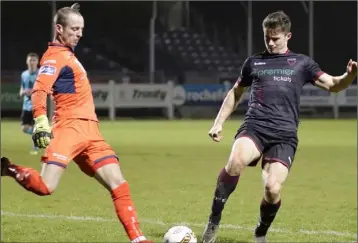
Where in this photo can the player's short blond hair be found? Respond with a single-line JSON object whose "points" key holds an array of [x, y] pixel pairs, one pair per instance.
{"points": [[62, 14], [32, 54], [277, 20]]}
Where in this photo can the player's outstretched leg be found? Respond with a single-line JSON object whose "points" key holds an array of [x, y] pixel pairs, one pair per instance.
{"points": [[110, 176], [243, 152], [30, 179], [273, 175]]}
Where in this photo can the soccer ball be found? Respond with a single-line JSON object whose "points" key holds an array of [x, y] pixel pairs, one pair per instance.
{"points": [[180, 234]]}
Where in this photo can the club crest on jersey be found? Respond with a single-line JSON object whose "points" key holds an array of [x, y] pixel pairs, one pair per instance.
{"points": [[291, 61], [47, 70]]}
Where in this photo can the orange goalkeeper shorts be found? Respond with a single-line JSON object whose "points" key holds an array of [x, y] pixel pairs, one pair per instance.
{"points": [[81, 141]]}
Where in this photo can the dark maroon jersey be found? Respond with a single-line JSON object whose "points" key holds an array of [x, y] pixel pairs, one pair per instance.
{"points": [[276, 82]]}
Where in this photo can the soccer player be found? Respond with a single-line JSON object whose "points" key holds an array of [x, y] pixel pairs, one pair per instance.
{"points": [[28, 78], [269, 130], [75, 133]]}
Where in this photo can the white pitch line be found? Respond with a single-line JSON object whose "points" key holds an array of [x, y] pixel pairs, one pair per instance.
{"points": [[189, 224]]}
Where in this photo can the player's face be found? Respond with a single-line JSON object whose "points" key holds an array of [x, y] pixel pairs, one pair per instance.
{"points": [[276, 40], [72, 32], [32, 62]]}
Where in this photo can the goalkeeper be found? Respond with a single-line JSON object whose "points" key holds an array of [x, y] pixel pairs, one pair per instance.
{"points": [[75, 129]]}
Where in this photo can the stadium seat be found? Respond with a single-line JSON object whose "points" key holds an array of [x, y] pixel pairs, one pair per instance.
{"points": [[198, 51]]}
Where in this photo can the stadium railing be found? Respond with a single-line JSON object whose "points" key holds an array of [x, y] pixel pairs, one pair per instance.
{"points": [[170, 96]]}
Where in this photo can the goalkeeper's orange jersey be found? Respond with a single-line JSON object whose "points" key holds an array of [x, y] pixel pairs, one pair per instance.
{"points": [[63, 76]]}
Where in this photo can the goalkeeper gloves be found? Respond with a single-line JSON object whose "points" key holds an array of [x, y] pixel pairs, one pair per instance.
{"points": [[42, 132]]}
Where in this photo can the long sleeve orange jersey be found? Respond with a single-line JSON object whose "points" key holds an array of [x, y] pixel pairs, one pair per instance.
{"points": [[63, 76]]}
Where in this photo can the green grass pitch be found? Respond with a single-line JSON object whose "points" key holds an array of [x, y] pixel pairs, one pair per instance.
{"points": [[172, 169]]}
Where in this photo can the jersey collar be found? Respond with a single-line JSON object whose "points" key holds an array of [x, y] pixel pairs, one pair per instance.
{"points": [[32, 73], [265, 52], [61, 46]]}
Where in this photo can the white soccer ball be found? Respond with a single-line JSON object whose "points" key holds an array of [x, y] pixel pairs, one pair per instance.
{"points": [[180, 234]]}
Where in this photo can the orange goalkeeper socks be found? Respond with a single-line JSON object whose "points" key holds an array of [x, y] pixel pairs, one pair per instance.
{"points": [[31, 180], [126, 212]]}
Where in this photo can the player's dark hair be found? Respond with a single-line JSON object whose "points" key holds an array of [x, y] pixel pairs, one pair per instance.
{"points": [[277, 20], [62, 14], [33, 54]]}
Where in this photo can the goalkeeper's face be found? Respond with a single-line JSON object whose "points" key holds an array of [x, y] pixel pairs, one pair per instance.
{"points": [[71, 34], [276, 40]]}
